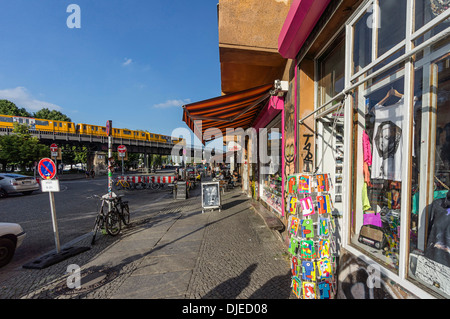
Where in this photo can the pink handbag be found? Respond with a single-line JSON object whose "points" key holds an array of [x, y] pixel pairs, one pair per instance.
{"points": [[372, 219]]}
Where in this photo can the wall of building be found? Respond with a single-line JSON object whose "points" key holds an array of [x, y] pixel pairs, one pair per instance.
{"points": [[248, 35]]}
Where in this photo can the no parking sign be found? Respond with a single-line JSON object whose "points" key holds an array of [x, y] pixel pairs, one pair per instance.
{"points": [[47, 168]]}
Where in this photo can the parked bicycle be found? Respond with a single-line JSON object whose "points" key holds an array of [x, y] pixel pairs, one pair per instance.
{"points": [[122, 184], [110, 220], [123, 209]]}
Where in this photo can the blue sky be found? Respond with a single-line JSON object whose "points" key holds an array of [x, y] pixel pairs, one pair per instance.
{"points": [[134, 62]]}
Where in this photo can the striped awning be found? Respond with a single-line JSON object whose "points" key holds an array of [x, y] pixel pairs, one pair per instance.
{"points": [[235, 110]]}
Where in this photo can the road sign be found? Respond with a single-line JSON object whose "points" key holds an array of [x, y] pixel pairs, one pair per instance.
{"points": [[50, 185], [122, 149], [108, 127], [54, 148], [47, 168]]}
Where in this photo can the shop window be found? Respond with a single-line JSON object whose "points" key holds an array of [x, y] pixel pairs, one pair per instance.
{"points": [[392, 24], [362, 41], [429, 258], [378, 160], [427, 10], [331, 71], [330, 121], [270, 165]]}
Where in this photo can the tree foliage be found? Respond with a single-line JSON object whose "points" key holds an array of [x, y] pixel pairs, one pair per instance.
{"points": [[54, 115], [20, 148], [9, 108]]}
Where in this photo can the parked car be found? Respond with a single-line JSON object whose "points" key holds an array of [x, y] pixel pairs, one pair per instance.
{"points": [[16, 183], [11, 237], [3, 193]]}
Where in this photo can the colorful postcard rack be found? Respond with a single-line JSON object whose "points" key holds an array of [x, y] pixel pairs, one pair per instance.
{"points": [[311, 236]]}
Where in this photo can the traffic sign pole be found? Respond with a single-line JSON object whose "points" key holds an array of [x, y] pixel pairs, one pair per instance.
{"points": [[110, 181], [54, 221], [47, 170], [122, 150]]}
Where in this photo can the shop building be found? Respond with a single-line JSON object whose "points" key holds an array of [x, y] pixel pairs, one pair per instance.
{"points": [[358, 90], [369, 104]]}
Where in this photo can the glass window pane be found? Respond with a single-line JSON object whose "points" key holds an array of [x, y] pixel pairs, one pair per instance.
{"points": [[377, 168], [427, 10], [362, 42], [331, 71], [392, 26], [429, 257], [270, 166]]}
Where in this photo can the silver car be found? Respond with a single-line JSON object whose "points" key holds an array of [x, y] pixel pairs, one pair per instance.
{"points": [[11, 183]]}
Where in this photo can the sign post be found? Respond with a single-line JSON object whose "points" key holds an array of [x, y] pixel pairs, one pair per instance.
{"points": [[54, 153], [122, 151], [47, 170], [110, 160]]}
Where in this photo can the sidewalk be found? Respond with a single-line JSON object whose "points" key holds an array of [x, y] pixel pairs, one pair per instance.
{"points": [[178, 253]]}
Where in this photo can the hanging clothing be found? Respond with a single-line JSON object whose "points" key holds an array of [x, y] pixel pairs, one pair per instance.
{"points": [[367, 152], [367, 174], [387, 141], [365, 198]]}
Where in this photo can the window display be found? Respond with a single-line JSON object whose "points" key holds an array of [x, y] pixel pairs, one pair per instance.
{"points": [[270, 166], [380, 145], [430, 221], [400, 160]]}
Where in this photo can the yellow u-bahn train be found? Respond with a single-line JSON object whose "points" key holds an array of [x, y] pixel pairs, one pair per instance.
{"points": [[84, 129]]}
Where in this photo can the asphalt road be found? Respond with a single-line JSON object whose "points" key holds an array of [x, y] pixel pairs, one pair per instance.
{"points": [[75, 211]]}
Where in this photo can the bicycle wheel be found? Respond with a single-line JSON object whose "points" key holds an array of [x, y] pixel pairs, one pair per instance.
{"points": [[112, 223], [125, 214], [94, 231]]}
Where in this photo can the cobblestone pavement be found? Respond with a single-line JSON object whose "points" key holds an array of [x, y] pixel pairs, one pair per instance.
{"points": [[178, 253]]}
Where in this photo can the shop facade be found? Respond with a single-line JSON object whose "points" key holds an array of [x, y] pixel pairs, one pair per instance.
{"points": [[369, 105]]}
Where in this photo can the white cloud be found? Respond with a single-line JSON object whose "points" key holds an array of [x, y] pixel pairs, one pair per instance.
{"points": [[127, 62], [171, 103], [22, 98]]}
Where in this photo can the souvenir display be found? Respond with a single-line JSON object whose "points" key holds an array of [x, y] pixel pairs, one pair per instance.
{"points": [[294, 266], [294, 225], [292, 184], [307, 228], [296, 286], [308, 270], [303, 184], [311, 231], [292, 205], [306, 205], [309, 290]]}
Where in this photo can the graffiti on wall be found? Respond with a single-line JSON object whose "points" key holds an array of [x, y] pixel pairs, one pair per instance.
{"points": [[307, 159], [290, 141]]}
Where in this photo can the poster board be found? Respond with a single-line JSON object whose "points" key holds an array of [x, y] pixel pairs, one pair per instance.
{"points": [[182, 191], [211, 196]]}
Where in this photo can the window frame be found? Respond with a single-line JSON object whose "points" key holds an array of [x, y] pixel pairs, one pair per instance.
{"points": [[352, 82]]}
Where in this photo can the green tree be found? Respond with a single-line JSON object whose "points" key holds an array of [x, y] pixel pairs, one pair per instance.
{"points": [[20, 148], [9, 108], [46, 114]]}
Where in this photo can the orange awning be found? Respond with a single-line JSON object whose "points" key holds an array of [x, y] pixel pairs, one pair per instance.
{"points": [[235, 110]]}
